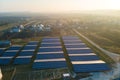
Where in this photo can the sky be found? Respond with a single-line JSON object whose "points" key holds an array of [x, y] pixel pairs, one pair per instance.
{"points": [[57, 5]]}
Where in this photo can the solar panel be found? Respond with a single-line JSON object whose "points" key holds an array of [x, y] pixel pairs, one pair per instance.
{"points": [[49, 49], [22, 60], [5, 60], [75, 46], [50, 43], [49, 56], [32, 43], [72, 44], [51, 40], [79, 51], [58, 52], [84, 58], [49, 65], [72, 41], [47, 40], [12, 51], [90, 67], [46, 45], [28, 50], [1, 50], [9, 53], [29, 47], [15, 47], [85, 48], [26, 53]]}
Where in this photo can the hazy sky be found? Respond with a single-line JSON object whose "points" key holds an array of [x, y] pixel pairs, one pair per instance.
{"points": [[56, 5]]}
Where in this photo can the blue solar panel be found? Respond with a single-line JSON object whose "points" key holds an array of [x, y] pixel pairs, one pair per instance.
{"points": [[117, 78], [68, 42], [1, 51], [50, 49], [79, 51], [9, 53], [32, 43], [79, 67], [29, 47], [15, 48], [26, 53], [90, 67], [75, 46], [22, 60], [51, 40], [49, 65], [47, 45], [49, 56], [84, 58], [5, 61]]}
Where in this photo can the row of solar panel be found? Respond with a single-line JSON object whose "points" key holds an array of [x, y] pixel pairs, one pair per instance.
{"points": [[50, 55], [1, 51], [82, 58], [23, 57], [9, 54], [26, 54]]}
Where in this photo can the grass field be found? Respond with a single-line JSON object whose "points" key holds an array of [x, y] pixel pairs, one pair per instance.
{"points": [[103, 30]]}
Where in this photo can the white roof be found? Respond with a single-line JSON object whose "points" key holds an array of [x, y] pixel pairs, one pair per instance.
{"points": [[77, 48], [82, 54], [49, 60], [88, 62], [6, 57], [50, 43], [12, 51], [75, 44], [58, 52], [23, 56], [66, 75], [29, 50]]}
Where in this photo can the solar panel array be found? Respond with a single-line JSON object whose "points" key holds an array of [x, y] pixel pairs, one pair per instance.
{"points": [[9, 54], [26, 54], [82, 57], [1, 50], [50, 55]]}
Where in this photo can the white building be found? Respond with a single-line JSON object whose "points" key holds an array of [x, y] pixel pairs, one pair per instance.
{"points": [[15, 30]]}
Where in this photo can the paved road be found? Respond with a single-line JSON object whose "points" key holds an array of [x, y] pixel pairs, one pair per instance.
{"points": [[114, 56], [28, 23]]}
